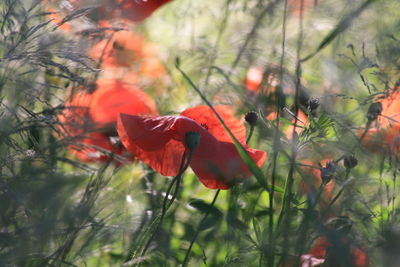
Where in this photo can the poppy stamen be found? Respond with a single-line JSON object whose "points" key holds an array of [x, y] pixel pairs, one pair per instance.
{"points": [[204, 125]]}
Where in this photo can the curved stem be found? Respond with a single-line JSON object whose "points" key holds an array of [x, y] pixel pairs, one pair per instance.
{"points": [[250, 134], [167, 204], [186, 260]]}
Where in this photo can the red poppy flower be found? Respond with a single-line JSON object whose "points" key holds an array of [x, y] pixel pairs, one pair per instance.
{"points": [[204, 116], [58, 10], [57, 19], [127, 53], [90, 147], [254, 78], [115, 96], [326, 254], [138, 10], [75, 117], [386, 134], [295, 6], [76, 123], [160, 142], [255, 81], [390, 114], [91, 118], [123, 50]]}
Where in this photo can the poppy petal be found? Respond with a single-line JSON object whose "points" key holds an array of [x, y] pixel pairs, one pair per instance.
{"points": [[124, 49], [160, 142], [113, 97], [74, 118], [138, 10], [87, 147], [390, 110], [151, 140], [223, 167], [204, 116]]}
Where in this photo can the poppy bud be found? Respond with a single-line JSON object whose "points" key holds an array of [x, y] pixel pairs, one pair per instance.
{"points": [[251, 118], [313, 103], [341, 224], [374, 111], [328, 172], [192, 140], [350, 161]]}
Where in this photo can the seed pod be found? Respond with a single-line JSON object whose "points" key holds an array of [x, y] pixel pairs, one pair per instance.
{"points": [[313, 103], [328, 172], [251, 118], [192, 140], [374, 111], [350, 161]]}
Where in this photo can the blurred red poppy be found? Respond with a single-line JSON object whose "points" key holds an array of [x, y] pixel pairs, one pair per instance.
{"points": [[390, 110], [57, 11], [385, 135], [160, 142], [113, 97], [204, 116], [122, 50], [256, 82], [295, 6], [76, 123], [138, 10], [128, 55], [313, 180], [91, 118], [342, 254]]}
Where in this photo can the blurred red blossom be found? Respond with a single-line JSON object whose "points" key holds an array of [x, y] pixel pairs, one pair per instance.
{"points": [[390, 114], [385, 133], [122, 50], [318, 190], [340, 254], [107, 10], [113, 97], [127, 55], [295, 6], [256, 82], [137, 10], [160, 142], [90, 119]]}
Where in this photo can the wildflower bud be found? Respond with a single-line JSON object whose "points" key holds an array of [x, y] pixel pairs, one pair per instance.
{"points": [[251, 118], [313, 103], [350, 161], [328, 172], [374, 111], [192, 140], [341, 224], [177, 61]]}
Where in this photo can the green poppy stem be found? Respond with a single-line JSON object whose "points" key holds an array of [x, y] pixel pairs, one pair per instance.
{"points": [[250, 134], [167, 204], [186, 260]]}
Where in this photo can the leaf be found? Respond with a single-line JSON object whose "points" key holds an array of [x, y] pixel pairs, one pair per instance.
{"points": [[236, 223], [340, 27], [204, 207], [209, 222]]}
